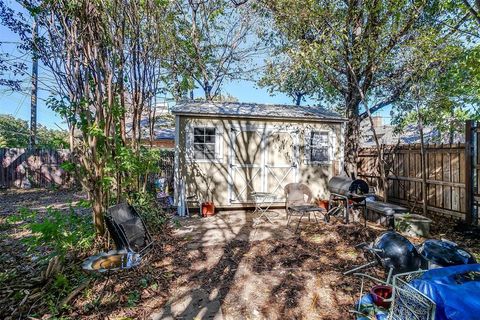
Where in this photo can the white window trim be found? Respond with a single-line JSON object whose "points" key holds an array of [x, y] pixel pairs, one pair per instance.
{"points": [[331, 140], [218, 143]]}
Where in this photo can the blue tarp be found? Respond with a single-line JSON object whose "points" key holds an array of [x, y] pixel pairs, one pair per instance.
{"points": [[445, 253], [455, 290]]}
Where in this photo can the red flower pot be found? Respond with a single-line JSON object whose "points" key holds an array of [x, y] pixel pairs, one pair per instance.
{"points": [[323, 204], [208, 209], [379, 294]]}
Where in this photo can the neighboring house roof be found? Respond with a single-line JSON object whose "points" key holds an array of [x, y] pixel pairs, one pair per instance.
{"points": [[163, 129], [255, 110], [386, 135]]}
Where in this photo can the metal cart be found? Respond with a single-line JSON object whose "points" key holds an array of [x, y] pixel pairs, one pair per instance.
{"points": [[407, 303]]}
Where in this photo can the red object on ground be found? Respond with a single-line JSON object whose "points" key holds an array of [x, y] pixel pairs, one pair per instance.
{"points": [[208, 209], [323, 204], [380, 293]]}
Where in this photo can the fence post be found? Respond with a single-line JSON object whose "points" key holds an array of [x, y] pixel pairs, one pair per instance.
{"points": [[468, 172]]}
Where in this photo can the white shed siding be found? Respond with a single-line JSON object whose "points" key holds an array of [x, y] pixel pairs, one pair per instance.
{"points": [[215, 180]]}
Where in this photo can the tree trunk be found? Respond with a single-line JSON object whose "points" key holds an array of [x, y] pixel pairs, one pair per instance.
{"points": [[208, 91], [382, 171], [298, 99], [352, 134], [71, 138], [98, 209], [424, 164]]}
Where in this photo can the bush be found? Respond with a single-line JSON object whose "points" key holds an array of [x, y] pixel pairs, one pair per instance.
{"points": [[58, 231], [145, 204]]}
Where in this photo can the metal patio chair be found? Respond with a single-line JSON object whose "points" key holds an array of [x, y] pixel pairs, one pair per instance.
{"points": [[296, 205]]}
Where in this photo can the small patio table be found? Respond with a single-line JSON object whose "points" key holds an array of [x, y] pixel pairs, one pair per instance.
{"points": [[263, 202]]}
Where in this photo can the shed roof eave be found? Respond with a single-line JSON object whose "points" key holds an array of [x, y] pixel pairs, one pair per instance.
{"points": [[208, 115]]}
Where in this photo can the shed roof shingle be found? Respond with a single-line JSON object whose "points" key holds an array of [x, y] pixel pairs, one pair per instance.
{"points": [[254, 110]]}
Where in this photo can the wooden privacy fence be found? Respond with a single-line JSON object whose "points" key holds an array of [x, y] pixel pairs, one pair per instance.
{"points": [[446, 175], [40, 168], [23, 168]]}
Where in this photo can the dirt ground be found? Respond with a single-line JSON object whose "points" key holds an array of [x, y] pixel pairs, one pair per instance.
{"points": [[11, 200], [279, 276], [222, 268]]}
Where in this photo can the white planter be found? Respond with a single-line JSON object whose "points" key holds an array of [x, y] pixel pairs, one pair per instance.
{"points": [[414, 225]]}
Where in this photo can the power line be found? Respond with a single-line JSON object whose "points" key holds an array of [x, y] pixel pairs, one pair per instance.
{"points": [[20, 105]]}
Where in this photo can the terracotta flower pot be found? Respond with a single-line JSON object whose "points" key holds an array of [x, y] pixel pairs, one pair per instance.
{"points": [[208, 209], [323, 204]]}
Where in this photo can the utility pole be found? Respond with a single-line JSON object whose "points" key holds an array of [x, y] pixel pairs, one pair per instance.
{"points": [[33, 102]]}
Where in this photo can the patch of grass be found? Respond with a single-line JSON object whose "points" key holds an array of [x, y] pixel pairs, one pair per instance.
{"points": [[61, 282], [5, 226], [143, 283], [133, 298], [59, 231], [7, 275], [476, 255]]}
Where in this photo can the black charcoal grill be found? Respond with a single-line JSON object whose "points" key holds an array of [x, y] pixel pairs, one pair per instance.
{"points": [[395, 253], [353, 192]]}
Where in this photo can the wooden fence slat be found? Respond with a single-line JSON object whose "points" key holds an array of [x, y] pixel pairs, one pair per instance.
{"points": [[418, 175], [438, 177], [395, 172], [447, 190], [411, 168], [401, 172], [431, 176]]}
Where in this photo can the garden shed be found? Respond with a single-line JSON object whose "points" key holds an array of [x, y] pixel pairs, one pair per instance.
{"points": [[225, 151]]}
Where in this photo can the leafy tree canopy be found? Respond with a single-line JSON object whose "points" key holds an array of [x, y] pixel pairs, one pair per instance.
{"points": [[15, 133], [367, 55], [292, 77]]}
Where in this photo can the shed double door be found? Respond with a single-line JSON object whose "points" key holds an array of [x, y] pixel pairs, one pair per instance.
{"points": [[261, 160]]}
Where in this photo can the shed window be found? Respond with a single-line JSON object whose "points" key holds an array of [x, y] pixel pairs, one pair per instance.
{"points": [[319, 147], [204, 142]]}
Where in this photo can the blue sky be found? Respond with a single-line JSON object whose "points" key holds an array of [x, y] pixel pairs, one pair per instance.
{"points": [[18, 103]]}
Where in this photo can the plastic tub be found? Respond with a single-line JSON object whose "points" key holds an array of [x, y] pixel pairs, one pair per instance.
{"points": [[380, 293]]}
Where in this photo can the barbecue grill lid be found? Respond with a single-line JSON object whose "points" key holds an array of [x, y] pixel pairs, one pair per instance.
{"points": [[345, 185], [397, 252], [359, 186]]}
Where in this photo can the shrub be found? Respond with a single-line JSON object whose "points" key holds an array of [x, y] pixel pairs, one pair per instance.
{"points": [[145, 204], [59, 231]]}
